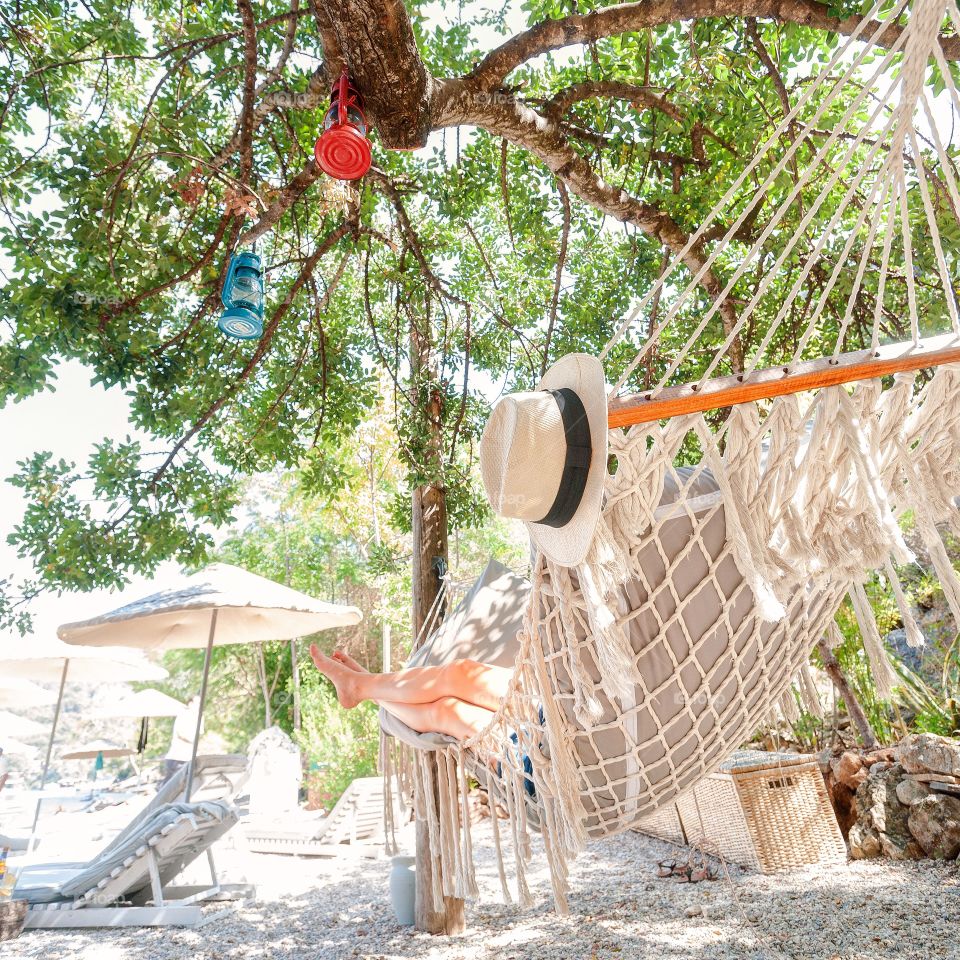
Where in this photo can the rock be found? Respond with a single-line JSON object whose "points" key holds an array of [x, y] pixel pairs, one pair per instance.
{"points": [[881, 827], [843, 800], [864, 842], [910, 791], [275, 773], [848, 769], [928, 753], [935, 822], [911, 656], [933, 778]]}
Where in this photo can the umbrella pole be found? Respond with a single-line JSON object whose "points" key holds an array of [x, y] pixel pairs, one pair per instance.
{"points": [[141, 747], [46, 759], [203, 700]]}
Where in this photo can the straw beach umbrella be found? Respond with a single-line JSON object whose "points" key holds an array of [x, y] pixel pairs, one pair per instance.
{"points": [[96, 748], [220, 605], [15, 748], [52, 661], [12, 725], [98, 751], [16, 692], [143, 705]]}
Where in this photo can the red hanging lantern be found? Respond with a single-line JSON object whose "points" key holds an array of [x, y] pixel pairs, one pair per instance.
{"points": [[343, 150]]}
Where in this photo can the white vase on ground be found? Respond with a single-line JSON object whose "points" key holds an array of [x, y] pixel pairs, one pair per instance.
{"points": [[403, 888]]}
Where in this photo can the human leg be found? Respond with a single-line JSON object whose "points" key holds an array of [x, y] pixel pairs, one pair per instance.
{"points": [[343, 657], [448, 715], [468, 680]]}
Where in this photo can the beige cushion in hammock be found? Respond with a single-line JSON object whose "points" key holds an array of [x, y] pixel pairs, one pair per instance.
{"points": [[485, 624], [711, 668], [483, 627]]}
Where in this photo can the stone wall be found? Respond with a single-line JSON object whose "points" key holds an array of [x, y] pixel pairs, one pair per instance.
{"points": [[902, 802]]}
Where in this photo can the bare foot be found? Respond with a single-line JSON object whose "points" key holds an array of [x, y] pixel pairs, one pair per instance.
{"points": [[340, 675], [341, 656]]}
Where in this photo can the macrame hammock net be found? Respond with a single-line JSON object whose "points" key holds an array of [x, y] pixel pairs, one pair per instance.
{"points": [[707, 586]]}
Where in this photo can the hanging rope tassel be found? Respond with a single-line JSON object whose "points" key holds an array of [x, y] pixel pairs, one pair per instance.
{"points": [[808, 692], [788, 707], [914, 634], [586, 704], [466, 859], [768, 606], [884, 676], [389, 827], [498, 847], [610, 642], [428, 792]]}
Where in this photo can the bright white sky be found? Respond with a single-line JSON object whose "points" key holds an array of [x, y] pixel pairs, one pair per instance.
{"points": [[67, 422]]}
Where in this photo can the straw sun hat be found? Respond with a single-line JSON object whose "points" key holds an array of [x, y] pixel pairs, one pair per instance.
{"points": [[543, 457]]}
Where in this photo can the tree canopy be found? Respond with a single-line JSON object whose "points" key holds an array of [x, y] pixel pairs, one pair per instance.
{"points": [[534, 167]]}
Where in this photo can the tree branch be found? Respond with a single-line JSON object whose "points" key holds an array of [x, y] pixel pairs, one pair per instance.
{"points": [[413, 241], [772, 72], [263, 346], [640, 96], [249, 88], [506, 117], [632, 17], [561, 263], [287, 197]]}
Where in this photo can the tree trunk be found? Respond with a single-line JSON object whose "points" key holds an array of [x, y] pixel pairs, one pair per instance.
{"points": [[832, 667], [295, 680], [294, 655], [374, 40], [430, 556], [262, 671]]}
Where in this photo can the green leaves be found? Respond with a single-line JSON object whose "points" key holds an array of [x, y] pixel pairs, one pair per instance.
{"points": [[120, 174], [94, 528]]}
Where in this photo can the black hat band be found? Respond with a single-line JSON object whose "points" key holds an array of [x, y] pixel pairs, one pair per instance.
{"points": [[576, 464]]}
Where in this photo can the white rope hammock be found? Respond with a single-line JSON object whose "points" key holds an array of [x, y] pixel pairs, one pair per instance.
{"points": [[706, 588]]}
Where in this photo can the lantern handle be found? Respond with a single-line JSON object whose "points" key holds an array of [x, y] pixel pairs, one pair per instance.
{"points": [[228, 280], [343, 96]]}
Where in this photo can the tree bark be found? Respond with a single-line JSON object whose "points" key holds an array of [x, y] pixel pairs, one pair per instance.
{"points": [[262, 671], [429, 514], [374, 40], [832, 667]]}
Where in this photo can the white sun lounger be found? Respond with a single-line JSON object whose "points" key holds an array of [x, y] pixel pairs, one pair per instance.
{"points": [[128, 884], [354, 826]]}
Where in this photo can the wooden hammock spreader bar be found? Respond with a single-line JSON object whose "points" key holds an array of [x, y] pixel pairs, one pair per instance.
{"points": [[721, 392]]}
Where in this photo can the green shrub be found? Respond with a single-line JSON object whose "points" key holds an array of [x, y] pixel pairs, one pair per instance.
{"points": [[340, 745]]}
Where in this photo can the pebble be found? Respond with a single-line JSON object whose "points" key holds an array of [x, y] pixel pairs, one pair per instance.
{"points": [[313, 909]]}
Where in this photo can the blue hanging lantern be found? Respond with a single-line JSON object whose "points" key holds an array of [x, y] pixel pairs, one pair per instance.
{"points": [[243, 297]]}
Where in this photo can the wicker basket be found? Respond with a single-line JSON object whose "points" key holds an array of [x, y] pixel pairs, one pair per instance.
{"points": [[13, 915], [768, 811], [664, 825]]}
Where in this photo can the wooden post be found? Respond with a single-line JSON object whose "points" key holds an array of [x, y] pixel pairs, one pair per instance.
{"points": [[859, 719], [430, 550]]}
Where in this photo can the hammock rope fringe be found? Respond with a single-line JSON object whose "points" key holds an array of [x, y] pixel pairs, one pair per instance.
{"points": [[706, 587]]}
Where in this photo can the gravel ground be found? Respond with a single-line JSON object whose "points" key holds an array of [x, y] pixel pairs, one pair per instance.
{"points": [[311, 909]]}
